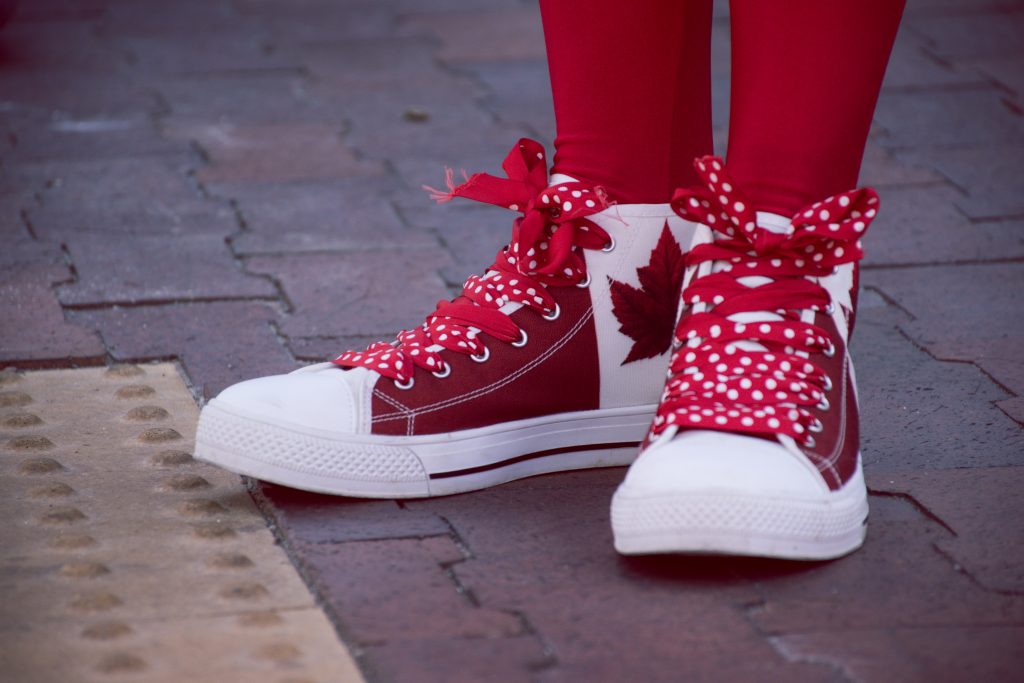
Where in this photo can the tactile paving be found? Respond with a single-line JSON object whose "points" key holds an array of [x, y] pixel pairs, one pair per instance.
{"points": [[122, 558]]}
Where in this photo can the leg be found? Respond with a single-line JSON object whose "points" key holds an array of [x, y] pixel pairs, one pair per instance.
{"points": [[632, 92], [805, 79]]}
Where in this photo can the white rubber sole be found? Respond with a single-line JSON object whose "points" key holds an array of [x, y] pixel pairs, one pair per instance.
{"points": [[720, 522], [375, 466]]}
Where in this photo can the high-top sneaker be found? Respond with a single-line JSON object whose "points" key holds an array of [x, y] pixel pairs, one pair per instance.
{"points": [[754, 449], [551, 360]]}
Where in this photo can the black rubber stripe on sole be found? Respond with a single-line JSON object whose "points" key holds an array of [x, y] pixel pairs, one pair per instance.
{"points": [[532, 456]]}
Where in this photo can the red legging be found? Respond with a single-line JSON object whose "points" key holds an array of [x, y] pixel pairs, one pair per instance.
{"points": [[631, 85]]}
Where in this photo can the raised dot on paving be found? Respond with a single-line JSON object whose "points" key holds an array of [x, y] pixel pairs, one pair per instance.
{"points": [[159, 435], [201, 506], [123, 371], [56, 489], [213, 531], [230, 561], [121, 662], [84, 570], [106, 630], [14, 399], [245, 591], [21, 420], [72, 541], [146, 414], [62, 515], [172, 458], [184, 482], [100, 601], [31, 442], [135, 391], [279, 652], [40, 466]]}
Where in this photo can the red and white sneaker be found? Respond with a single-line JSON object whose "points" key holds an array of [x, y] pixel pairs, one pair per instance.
{"points": [[754, 448], [552, 360]]}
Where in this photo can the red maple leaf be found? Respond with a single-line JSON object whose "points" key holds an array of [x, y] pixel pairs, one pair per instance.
{"points": [[647, 315]]}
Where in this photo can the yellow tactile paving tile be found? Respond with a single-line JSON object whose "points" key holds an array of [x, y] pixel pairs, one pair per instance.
{"points": [[121, 558]]}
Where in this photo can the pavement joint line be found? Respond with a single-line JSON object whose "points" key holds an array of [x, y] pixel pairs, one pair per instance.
{"points": [[920, 347], [104, 567]]}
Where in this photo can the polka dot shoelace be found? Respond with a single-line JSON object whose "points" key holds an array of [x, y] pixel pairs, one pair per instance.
{"points": [[744, 359], [544, 252]]}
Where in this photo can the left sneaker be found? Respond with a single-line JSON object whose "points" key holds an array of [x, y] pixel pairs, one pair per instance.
{"points": [[754, 448]]}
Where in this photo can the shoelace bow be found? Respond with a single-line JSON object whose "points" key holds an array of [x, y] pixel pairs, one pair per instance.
{"points": [[717, 380], [543, 252]]}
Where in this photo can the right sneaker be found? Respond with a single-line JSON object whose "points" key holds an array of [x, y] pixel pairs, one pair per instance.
{"points": [[552, 360]]}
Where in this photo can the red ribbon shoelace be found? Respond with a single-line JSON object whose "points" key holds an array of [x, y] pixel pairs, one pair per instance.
{"points": [[757, 377], [543, 252]]}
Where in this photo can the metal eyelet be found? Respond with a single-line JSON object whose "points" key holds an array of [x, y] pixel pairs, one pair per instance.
{"points": [[817, 427], [823, 404], [809, 442], [828, 383], [830, 351], [482, 358], [441, 374], [406, 386], [610, 246], [830, 308], [521, 342], [585, 283], [553, 313]]}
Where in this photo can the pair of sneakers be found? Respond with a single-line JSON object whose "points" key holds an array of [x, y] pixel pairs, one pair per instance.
{"points": [[555, 359]]}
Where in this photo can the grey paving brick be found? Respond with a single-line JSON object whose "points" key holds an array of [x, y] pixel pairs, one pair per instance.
{"points": [[913, 67], [987, 328], [318, 349], [502, 660], [968, 500], [370, 293], [132, 269], [34, 331], [960, 117], [1008, 72], [917, 412], [346, 215], [881, 169], [989, 175], [950, 653], [376, 584], [923, 225], [508, 33], [519, 93], [218, 343], [52, 136], [955, 35]]}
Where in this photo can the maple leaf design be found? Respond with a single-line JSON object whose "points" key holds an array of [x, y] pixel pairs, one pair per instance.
{"points": [[647, 315]]}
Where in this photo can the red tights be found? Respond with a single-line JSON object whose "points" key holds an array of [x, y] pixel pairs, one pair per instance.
{"points": [[632, 93]]}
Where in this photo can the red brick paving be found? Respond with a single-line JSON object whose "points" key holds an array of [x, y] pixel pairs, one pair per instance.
{"points": [[216, 181]]}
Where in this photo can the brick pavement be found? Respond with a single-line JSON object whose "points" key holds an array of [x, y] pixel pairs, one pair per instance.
{"points": [[227, 183]]}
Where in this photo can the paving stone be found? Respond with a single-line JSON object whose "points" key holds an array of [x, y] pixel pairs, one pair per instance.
{"points": [[955, 36], [1014, 408], [374, 587], [315, 518], [76, 94], [880, 169], [20, 249], [218, 343], [501, 660], [319, 349], [896, 580], [968, 501], [959, 653], [961, 117], [917, 412], [284, 152], [519, 93], [209, 51], [34, 330], [135, 269], [56, 46], [1006, 71], [346, 215], [923, 225], [989, 175], [504, 34], [308, 21], [45, 137], [912, 67], [369, 293], [145, 196], [987, 329]]}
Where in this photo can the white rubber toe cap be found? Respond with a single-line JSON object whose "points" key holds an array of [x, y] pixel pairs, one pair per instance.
{"points": [[704, 461], [322, 397]]}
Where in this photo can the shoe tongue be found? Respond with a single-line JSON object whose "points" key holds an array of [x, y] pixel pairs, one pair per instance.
{"points": [[559, 178]]}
